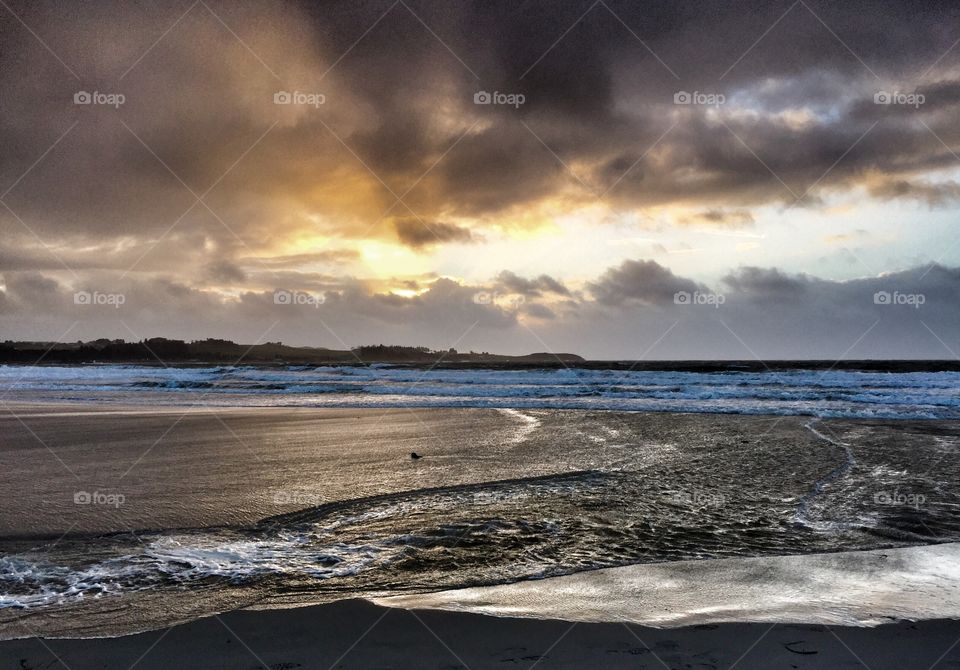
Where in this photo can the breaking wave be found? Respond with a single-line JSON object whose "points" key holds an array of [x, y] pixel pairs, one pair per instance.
{"points": [[826, 394]]}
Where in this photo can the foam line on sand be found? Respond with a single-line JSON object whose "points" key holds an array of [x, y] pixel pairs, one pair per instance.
{"points": [[864, 588]]}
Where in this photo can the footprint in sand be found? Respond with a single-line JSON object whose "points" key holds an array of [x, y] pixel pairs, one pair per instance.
{"points": [[799, 648]]}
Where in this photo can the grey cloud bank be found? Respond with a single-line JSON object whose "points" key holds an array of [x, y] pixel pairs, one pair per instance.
{"points": [[625, 313]]}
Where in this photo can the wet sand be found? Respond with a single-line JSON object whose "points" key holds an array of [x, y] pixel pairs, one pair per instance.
{"points": [[199, 467], [357, 634], [194, 467], [203, 466], [848, 588]]}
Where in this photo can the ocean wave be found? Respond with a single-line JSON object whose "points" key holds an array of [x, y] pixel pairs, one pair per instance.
{"points": [[486, 533], [832, 393], [334, 540]]}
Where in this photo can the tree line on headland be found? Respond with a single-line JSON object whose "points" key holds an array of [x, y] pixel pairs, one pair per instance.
{"points": [[162, 351]]}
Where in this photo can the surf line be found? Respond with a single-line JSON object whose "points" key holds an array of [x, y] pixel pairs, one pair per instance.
{"points": [[530, 423], [801, 515]]}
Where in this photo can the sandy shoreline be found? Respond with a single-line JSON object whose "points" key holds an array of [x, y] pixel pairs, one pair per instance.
{"points": [[184, 467], [792, 609], [811, 611], [359, 634], [856, 588]]}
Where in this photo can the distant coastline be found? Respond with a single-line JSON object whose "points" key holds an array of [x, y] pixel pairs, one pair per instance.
{"points": [[162, 351]]}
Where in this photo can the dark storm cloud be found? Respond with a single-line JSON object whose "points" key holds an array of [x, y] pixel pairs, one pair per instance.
{"points": [[538, 311], [724, 219], [769, 314], [416, 233], [497, 168], [766, 283], [643, 281], [225, 271], [514, 283], [934, 195], [835, 300], [32, 291], [586, 107], [595, 95], [761, 313], [199, 178]]}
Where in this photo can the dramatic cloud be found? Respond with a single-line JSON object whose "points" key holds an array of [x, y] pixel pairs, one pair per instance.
{"points": [[755, 313], [934, 195], [531, 287], [420, 233], [646, 282], [766, 283], [396, 158], [716, 217]]}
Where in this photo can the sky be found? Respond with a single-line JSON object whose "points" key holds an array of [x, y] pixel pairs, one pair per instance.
{"points": [[615, 179]]}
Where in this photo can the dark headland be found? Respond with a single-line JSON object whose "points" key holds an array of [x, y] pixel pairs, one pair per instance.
{"points": [[163, 351], [159, 350]]}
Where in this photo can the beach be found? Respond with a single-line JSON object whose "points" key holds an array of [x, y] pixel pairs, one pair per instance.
{"points": [[789, 612], [358, 634], [239, 527], [432, 335]]}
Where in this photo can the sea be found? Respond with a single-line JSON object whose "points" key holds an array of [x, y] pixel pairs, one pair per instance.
{"points": [[520, 474], [813, 392]]}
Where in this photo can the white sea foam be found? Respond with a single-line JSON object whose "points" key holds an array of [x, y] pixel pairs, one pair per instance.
{"points": [[528, 424], [853, 588], [833, 393], [32, 581]]}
